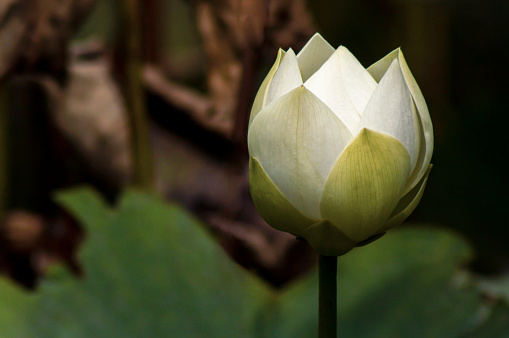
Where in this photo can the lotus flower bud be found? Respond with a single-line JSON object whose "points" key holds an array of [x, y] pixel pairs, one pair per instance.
{"points": [[339, 154]]}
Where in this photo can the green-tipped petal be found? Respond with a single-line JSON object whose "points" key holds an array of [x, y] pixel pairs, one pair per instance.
{"points": [[408, 203], [377, 70], [259, 101], [286, 78], [365, 184], [313, 55], [297, 139], [391, 111], [272, 205], [343, 85], [328, 240]]}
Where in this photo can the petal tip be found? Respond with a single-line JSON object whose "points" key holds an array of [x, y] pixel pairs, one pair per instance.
{"points": [[315, 37]]}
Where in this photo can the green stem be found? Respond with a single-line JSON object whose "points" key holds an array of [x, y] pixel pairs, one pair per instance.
{"points": [[135, 95], [4, 113], [327, 298]]}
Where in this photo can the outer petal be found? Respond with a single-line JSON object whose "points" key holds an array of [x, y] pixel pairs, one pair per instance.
{"points": [[377, 70], [408, 203], [286, 78], [313, 55], [365, 184], [328, 240], [391, 110], [343, 85], [259, 101], [272, 205], [297, 139]]}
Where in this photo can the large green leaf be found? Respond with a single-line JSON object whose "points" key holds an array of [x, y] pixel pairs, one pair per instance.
{"points": [[496, 326], [153, 271], [403, 285]]}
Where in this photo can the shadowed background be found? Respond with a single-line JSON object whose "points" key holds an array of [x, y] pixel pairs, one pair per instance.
{"points": [[202, 62]]}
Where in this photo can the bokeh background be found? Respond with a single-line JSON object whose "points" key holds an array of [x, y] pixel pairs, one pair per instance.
{"points": [[69, 105]]}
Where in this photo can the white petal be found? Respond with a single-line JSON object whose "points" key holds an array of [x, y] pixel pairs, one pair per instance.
{"points": [[343, 85], [313, 55], [358, 81], [377, 70], [286, 78], [297, 140], [391, 111], [259, 101]]}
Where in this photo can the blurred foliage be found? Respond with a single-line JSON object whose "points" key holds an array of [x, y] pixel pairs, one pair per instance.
{"points": [[495, 326], [152, 270], [101, 22], [179, 40]]}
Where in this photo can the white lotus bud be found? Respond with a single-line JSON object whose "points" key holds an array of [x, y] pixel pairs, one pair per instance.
{"points": [[338, 153]]}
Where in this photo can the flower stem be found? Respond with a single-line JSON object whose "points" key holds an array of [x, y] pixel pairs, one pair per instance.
{"points": [[4, 120], [135, 95], [327, 298]]}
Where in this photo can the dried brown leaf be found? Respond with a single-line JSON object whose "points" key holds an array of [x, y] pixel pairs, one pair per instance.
{"points": [[93, 117], [13, 25], [34, 34], [196, 180], [234, 34], [22, 230]]}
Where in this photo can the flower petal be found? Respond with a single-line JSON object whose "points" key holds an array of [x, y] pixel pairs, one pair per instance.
{"points": [[358, 81], [272, 205], [365, 184], [391, 111], [377, 70], [313, 55], [286, 78], [407, 204], [344, 85], [411, 183], [297, 139], [328, 240], [259, 101]]}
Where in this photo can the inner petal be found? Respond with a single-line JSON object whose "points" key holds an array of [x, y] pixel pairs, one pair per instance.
{"points": [[313, 55], [286, 78], [358, 81], [344, 86]]}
